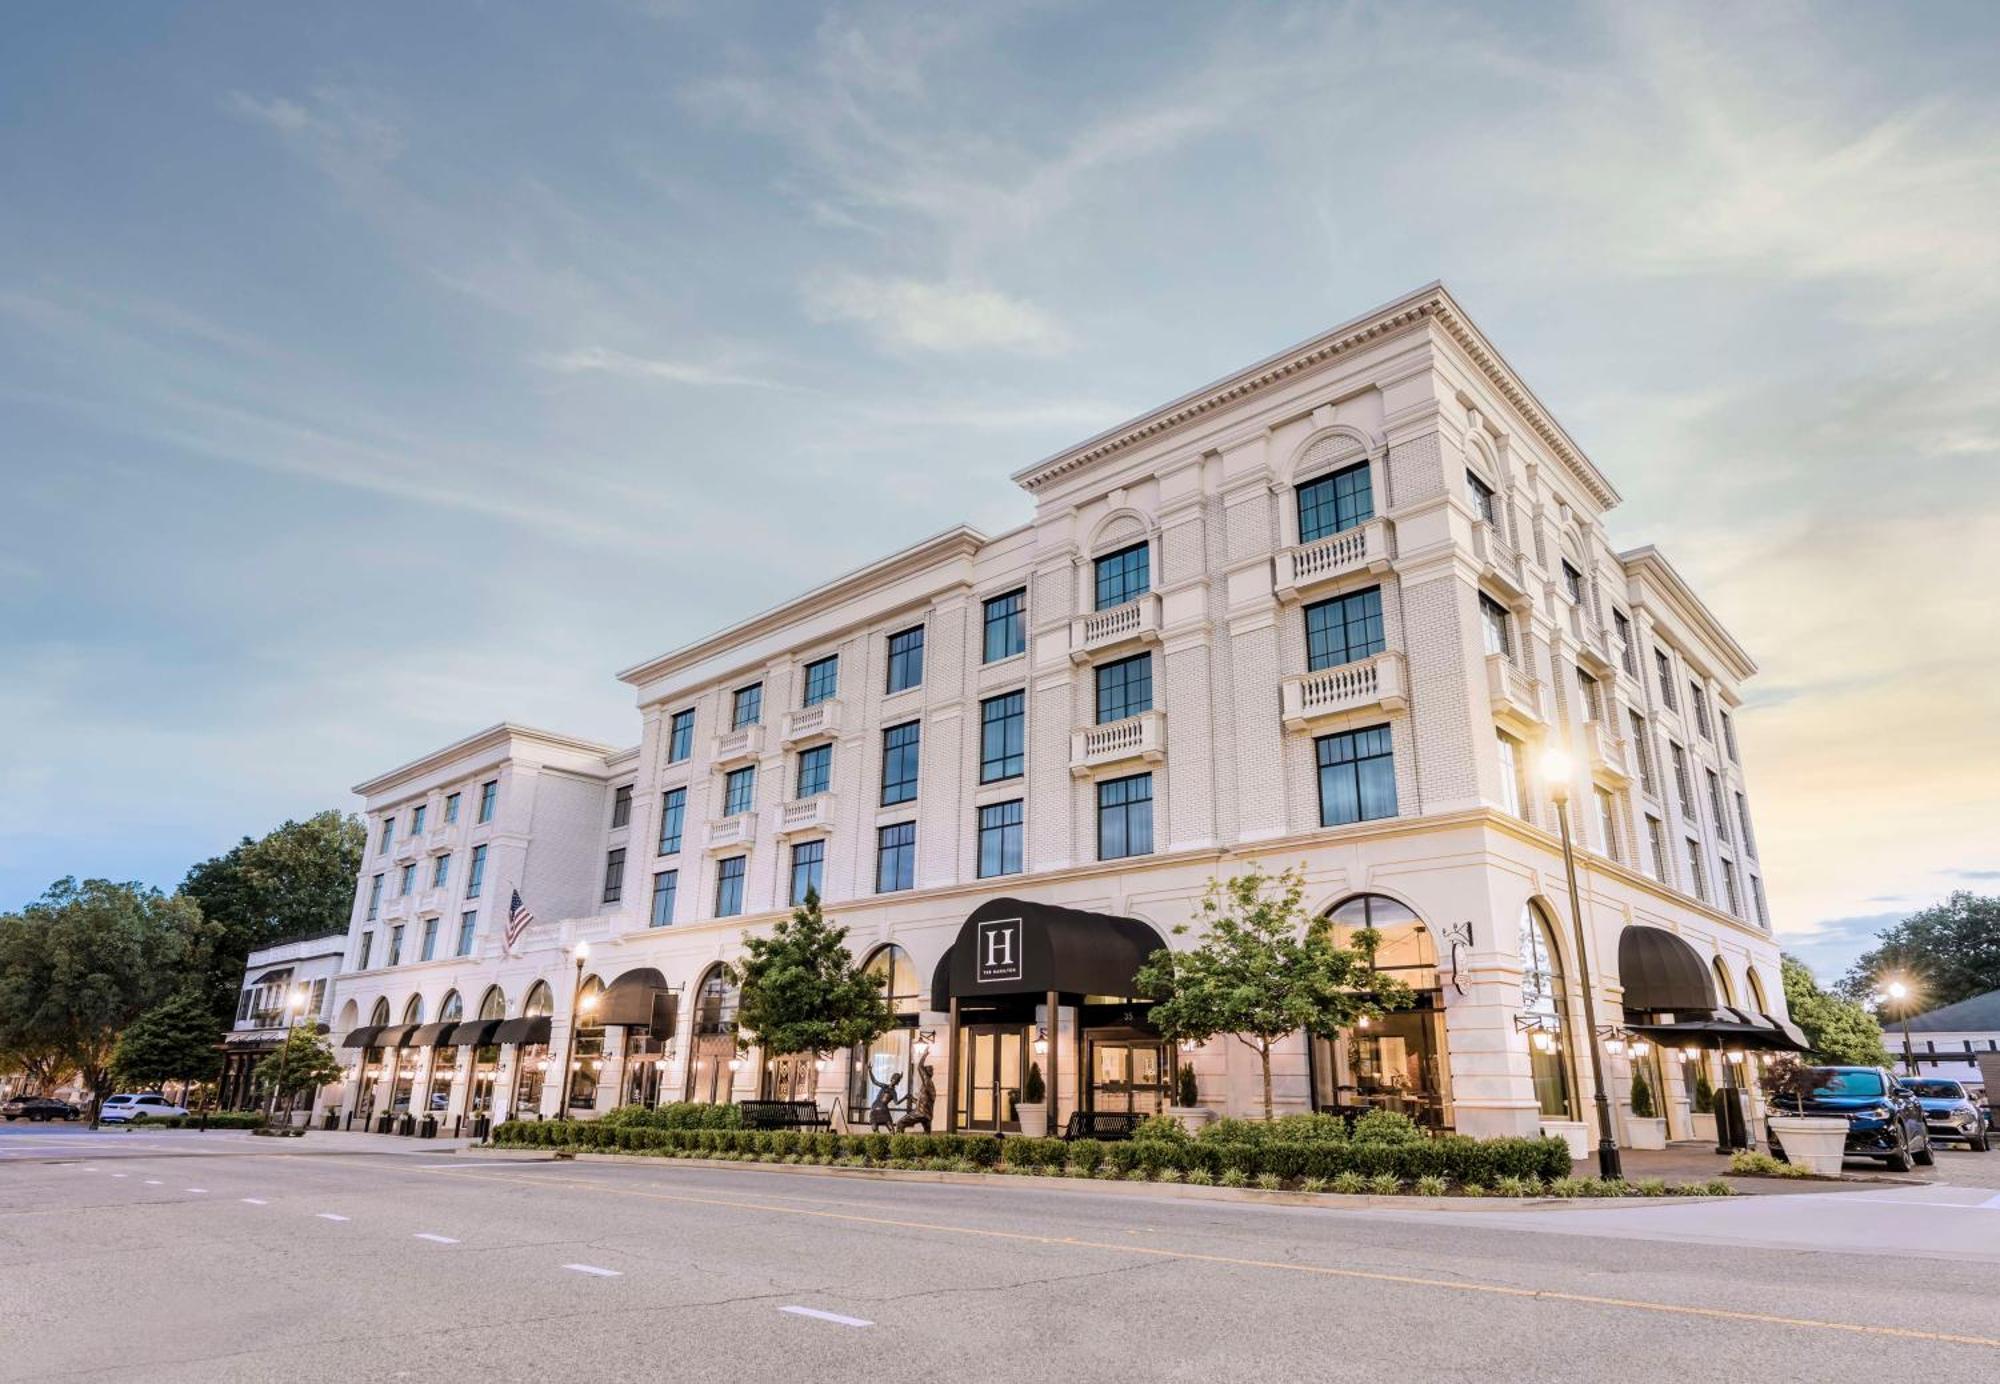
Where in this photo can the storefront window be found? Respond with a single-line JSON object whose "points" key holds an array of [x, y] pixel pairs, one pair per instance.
{"points": [[531, 1060], [1544, 999], [884, 1071], [714, 1047], [1395, 1061], [588, 1063]]}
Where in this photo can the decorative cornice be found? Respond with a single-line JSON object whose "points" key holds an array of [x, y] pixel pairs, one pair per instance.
{"points": [[1650, 564], [499, 738]]}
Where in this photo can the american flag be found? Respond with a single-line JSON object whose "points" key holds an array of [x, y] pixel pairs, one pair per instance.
{"points": [[518, 920]]}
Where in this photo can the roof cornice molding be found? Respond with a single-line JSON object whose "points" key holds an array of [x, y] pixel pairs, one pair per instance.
{"points": [[500, 739], [1649, 562], [1432, 302]]}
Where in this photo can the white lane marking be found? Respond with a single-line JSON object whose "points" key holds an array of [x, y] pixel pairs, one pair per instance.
{"points": [[435, 1239], [118, 1174], [329, 1216], [152, 1182], [201, 1191], [593, 1269], [1992, 1203], [255, 1201], [818, 1315]]}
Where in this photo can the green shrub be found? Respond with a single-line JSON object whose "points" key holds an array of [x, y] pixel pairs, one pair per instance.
{"points": [[1569, 1187], [1754, 1163], [1270, 1182], [1642, 1094], [1385, 1184], [1187, 1092], [1235, 1177], [1704, 1094], [1312, 1184], [1200, 1177], [1386, 1127], [1472, 1189], [1650, 1187], [1163, 1129], [1086, 1154], [1349, 1183], [1309, 1129], [1430, 1186]]}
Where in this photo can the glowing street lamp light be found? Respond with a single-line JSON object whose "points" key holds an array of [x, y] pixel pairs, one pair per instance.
{"points": [[1557, 772]]}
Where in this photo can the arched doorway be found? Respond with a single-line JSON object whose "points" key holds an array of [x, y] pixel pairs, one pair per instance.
{"points": [[712, 1048], [486, 1056], [531, 1059], [885, 1070], [587, 1065], [406, 1060], [372, 1058], [1395, 1062], [444, 1058], [1545, 999]]}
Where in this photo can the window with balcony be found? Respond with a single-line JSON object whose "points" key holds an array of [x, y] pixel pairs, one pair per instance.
{"points": [[1003, 737], [614, 875], [673, 809], [417, 815], [1664, 668], [729, 886], [1513, 780], [1607, 825], [1124, 688], [468, 924], [896, 858], [476, 876], [374, 898], [1743, 821], [680, 736], [1716, 810], [1005, 626], [808, 860], [1344, 629], [1333, 504], [1123, 576], [1642, 750], [1697, 876], [621, 806], [746, 706], [406, 884], [1683, 785], [1485, 503], [367, 946], [822, 680], [906, 660], [1357, 776], [1698, 703], [815, 771], [1496, 625], [666, 884], [1000, 839], [1621, 624], [395, 946], [1125, 817], [901, 756], [440, 871], [429, 945], [451, 807], [739, 790], [1656, 846]]}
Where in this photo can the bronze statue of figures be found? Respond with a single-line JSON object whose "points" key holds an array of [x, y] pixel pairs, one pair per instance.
{"points": [[922, 1103], [879, 1114]]}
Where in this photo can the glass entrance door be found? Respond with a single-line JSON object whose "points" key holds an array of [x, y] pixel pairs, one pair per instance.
{"points": [[990, 1063], [1129, 1075]]}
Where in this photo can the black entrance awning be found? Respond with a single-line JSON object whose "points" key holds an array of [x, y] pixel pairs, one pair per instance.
{"points": [[1718, 1027], [535, 1030], [395, 1036], [475, 1033], [1014, 947], [1662, 973], [362, 1037], [431, 1035], [639, 999]]}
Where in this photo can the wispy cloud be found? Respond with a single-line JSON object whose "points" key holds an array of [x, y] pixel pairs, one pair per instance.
{"points": [[599, 360], [906, 314]]}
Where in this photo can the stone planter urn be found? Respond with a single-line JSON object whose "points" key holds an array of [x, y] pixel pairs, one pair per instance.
{"points": [[1642, 1132], [1703, 1126], [1816, 1143], [1575, 1133], [1191, 1117], [1034, 1120]]}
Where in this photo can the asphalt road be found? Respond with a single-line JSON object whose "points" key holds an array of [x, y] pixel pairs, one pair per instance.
{"points": [[217, 1257]]}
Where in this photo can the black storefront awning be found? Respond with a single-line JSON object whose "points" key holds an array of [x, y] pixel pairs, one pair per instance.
{"points": [[535, 1030], [1718, 1027], [395, 1036], [1660, 972], [475, 1033], [639, 999], [1011, 947], [362, 1037], [431, 1035]]}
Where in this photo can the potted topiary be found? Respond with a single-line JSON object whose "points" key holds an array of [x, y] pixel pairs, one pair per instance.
{"points": [[1644, 1129], [1187, 1107], [1817, 1143], [1032, 1110], [1703, 1118]]}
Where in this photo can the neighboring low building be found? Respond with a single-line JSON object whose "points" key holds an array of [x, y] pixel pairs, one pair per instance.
{"points": [[1960, 1041], [272, 976]]}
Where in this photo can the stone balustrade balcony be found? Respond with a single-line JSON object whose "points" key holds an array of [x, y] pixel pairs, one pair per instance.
{"points": [[1378, 682], [804, 815], [1517, 695], [1133, 623], [732, 833], [1306, 566], [822, 718], [1135, 739], [737, 746]]}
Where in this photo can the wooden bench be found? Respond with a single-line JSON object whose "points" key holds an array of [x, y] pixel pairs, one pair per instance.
{"points": [[782, 1114], [1108, 1125]]}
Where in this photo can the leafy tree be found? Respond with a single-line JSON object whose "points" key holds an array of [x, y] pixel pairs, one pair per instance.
{"points": [[1950, 950], [300, 1066], [174, 1040], [1841, 1032], [1642, 1095], [802, 991], [1264, 970]]}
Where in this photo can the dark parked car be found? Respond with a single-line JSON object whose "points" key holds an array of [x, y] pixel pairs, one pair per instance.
{"points": [[1883, 1117], [1949, 1112], [38, 1108]]}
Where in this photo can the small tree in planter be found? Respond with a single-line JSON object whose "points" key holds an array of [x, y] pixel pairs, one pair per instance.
{"points": [[1263, 971], [301, 1065], [1032, 1110], [1817, 1143], [1642, 1095], [1644, 1130], [1704, 1094], [802, 990]]}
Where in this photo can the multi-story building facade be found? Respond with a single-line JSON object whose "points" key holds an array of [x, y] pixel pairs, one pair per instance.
{"points": [[1327, 613], [286, 984]]}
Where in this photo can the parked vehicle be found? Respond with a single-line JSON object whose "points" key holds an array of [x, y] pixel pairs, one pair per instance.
{"points": [[149, 1105], [1883, 1117], [38, 1108], [1949, 1111]]}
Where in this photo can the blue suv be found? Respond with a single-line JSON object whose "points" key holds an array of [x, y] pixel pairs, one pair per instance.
{"points": [[1884, 1119]]}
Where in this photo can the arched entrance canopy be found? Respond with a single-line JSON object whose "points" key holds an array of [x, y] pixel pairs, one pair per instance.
{"points": [[1670, 995], [363, 1037], [640, 999], [1013, 947]]}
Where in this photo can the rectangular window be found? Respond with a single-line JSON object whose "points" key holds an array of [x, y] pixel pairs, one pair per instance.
{"points": [[395, 947], [614, 875], [1124, 688], [1697, 877], [468, 924], [1482, 498], [1513, 789], [430, 942], [388, 835], [1729, 894], [1000, 839], [673, 807], [822, 680], [729, 886], [318, 1004], [900, 756], [1573, 583], [808, 858], [489, 798], [451, 807], [1125, 817], [406, 884], [1729, 738], [1715, 807], [906, 659], [440, 871], [476, 876], [1123, 576], [1590, 697], [815, 771], [1683, 785], [1622, 624], [621, 806], [1333, 504], [1665, 669], [680, 736], [1607, 824], [1006, 626], [1344, 629], [1493, 620], [1656, 844], [1757, 896], [1642, 749], [665, 884], [1357, 776], [895, 857], [1743, 821], [1698, 701], [374, 898], [739, 790], [1003, 737], [746, 707], [417, 816], [367, 946]]}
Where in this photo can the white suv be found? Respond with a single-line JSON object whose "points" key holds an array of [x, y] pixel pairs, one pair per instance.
{"points": [[152, 1106]]}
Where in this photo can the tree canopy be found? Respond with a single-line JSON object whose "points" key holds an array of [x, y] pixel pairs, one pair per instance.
{"points": [[175, 1040], [1949, 952], [802, 991], [1841, 1032], [301, 1064]]}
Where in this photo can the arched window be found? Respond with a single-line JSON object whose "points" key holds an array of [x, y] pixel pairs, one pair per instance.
{"points": [[350, 1016], [493, 1005], [413, 1012], [540, 1003], [379, 1015], [899, 977], [1724, 990], [1757, 997], [1545, 999], [713, 1048], [883, 1069], [587, 1063], [1397, 1061], [1404, 949]]}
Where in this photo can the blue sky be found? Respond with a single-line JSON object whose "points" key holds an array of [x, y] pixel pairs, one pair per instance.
{"points": [[372, 373]]}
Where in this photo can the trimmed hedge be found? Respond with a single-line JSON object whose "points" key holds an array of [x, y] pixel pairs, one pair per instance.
{"points": [[675, 1115], [217, 1119]]}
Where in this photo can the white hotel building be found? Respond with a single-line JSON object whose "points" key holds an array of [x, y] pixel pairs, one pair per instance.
{"points": [[1325, 613]]}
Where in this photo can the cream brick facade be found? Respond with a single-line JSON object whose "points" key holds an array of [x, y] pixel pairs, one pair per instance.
{"points": [[1412, 391]]}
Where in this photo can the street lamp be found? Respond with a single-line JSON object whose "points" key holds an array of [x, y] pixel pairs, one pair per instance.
{"points": [[1900, 992], [295, 1005], [582, 954], [1556, 772]]}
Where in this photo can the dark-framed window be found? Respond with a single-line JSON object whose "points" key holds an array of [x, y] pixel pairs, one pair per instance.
{"points": [[822, 680], [1590, 696], [906, 659], [451, 807], [1665, 668], [666, 884], [395, 946], [901, 754], [895, 857], [441, 871], [1124, 688], [815, 771], [1344, 629], [374, 898], [1572, 582], [475, 877], [673, 810], [729, 886], [1123, 576], [614, 875], [1125, 817], [388, 835], [621, 806], [489, 799], [680, 736], [1743, 821], [427, 949], [1716, 807], [1000, 839], [1683, 786], [1335, 503], [407, 885], [739, 790], [1005, 626], [417, 815], [1729, 738], [1482, 497], [468, 924], [1357, 776], [1497, 627], [1003, 736], [1642, 745], [1621, 623], [746, 706], [1698, 700], [367, 945], [808, 859]]}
